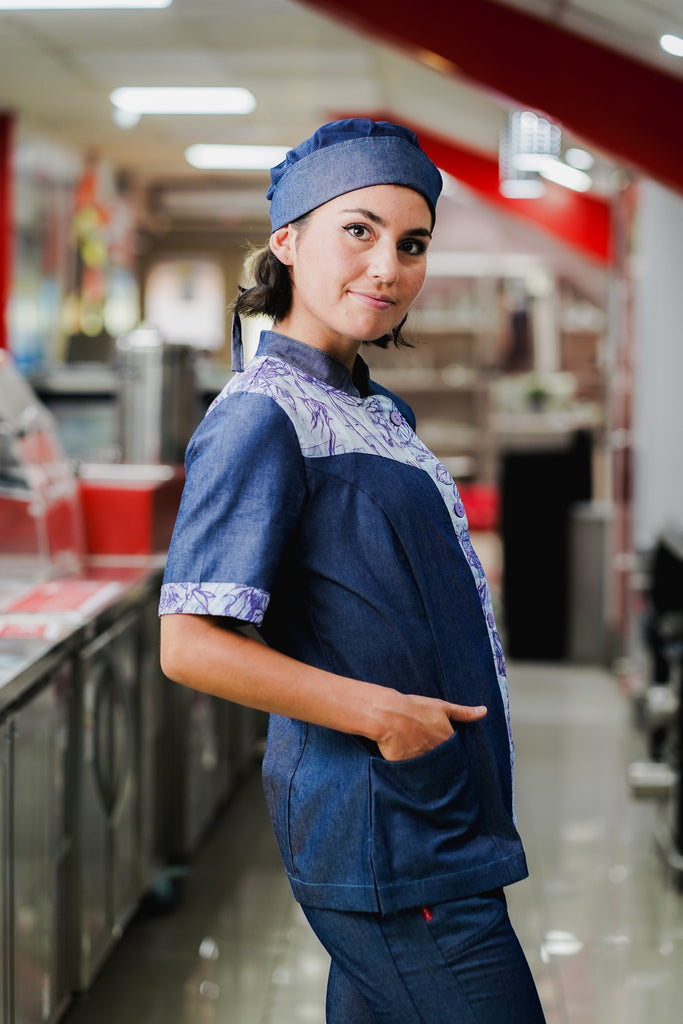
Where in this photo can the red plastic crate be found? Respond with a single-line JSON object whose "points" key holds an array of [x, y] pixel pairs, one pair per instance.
{"points": [[130, 517]]}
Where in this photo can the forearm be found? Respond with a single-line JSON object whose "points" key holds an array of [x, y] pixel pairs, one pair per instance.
{"points": [[198, 653]]}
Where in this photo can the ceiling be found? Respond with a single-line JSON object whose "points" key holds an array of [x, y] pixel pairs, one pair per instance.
{"points": [[305, 64]]}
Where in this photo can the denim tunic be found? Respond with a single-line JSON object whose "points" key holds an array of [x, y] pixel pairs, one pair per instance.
{"points": [[312, 511]]}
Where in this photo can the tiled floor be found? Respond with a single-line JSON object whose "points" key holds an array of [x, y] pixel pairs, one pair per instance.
{"points": [[602, 927]]}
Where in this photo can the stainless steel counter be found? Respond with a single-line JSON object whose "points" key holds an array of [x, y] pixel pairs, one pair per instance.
{"points": [[108, 773], [73, 864]]}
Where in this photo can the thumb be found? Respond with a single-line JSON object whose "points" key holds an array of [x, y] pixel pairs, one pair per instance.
{"points": [[466, 712]]}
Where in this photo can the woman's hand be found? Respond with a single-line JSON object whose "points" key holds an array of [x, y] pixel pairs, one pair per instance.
{"points": [[413, 725]]}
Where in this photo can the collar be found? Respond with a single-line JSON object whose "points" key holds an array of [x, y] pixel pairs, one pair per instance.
{"points": [[317, 363]]}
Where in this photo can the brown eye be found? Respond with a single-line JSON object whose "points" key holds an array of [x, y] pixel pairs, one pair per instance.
{"points": [[413, 246], [360, 231]]}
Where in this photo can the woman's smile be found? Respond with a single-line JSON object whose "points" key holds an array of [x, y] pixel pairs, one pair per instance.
{"points": [[380, 302]]}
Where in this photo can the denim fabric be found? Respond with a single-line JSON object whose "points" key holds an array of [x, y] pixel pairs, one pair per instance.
{"points": [[453, 963], [313, 511], [346, 155]]}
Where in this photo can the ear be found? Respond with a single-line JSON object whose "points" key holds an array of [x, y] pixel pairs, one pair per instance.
{"points": [[282, 244]]}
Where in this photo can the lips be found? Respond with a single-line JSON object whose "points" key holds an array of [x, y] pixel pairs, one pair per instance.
{"points": [[378, 302]]}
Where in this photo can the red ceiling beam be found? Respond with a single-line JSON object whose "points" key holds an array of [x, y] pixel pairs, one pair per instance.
{"points": [[612, 101]]}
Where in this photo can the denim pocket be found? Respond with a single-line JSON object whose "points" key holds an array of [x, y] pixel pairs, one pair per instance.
{"points": [[328, 817], [423, 811], [458, 925]]}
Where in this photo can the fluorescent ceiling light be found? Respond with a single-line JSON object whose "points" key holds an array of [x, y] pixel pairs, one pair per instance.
{"points": [[672, 44], [522, 188], [125, 118], [79, 5], [529, 161], [579, 158], [568, 177], [192, 100], [209, 157], [537, 162], [554, 170]]}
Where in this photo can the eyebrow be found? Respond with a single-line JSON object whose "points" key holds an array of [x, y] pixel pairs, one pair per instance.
{"points": [[421, 232]]}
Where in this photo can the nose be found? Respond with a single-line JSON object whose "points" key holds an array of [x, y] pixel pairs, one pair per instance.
{"points": [[384, 264]]}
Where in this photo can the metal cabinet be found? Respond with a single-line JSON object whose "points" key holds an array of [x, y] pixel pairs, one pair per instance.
{"points": [[151, 694], [36, 853], [207, 744], [108, 869], [108, 773], [196, 776]]}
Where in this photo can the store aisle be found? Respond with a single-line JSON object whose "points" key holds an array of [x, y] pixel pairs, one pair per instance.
{"points": [[601, 926], [602, 929]]}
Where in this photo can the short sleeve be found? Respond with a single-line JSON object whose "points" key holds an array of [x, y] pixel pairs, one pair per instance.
{"points": [[244, 490]]}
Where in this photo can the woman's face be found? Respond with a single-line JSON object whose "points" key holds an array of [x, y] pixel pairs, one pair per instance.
{"points": [[357, 266]]}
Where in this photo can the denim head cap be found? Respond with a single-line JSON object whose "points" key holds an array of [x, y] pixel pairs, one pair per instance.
{"points": [[343, 156]]}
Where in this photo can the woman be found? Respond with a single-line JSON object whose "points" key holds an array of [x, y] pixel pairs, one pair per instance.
{"points": [[313, 512]]}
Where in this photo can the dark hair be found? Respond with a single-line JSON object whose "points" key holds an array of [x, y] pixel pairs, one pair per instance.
{"points": [[271, 294]]}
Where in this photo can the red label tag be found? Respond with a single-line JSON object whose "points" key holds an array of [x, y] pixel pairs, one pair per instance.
{"points": [[427, 914]]}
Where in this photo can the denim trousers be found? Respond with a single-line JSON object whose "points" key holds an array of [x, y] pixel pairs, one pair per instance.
{"points": [[453, 963]]}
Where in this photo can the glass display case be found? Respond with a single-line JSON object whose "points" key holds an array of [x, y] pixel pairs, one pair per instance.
{"points": [[41, 532]]}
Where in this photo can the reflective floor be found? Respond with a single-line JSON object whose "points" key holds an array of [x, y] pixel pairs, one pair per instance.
{"points": [[601, 924]]}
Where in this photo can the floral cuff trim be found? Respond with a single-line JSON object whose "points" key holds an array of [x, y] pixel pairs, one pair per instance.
{"points": [[233, 600]]}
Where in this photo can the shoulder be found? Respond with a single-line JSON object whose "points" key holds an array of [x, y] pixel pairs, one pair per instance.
{"points": [[243, 421], [265, 375]]}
